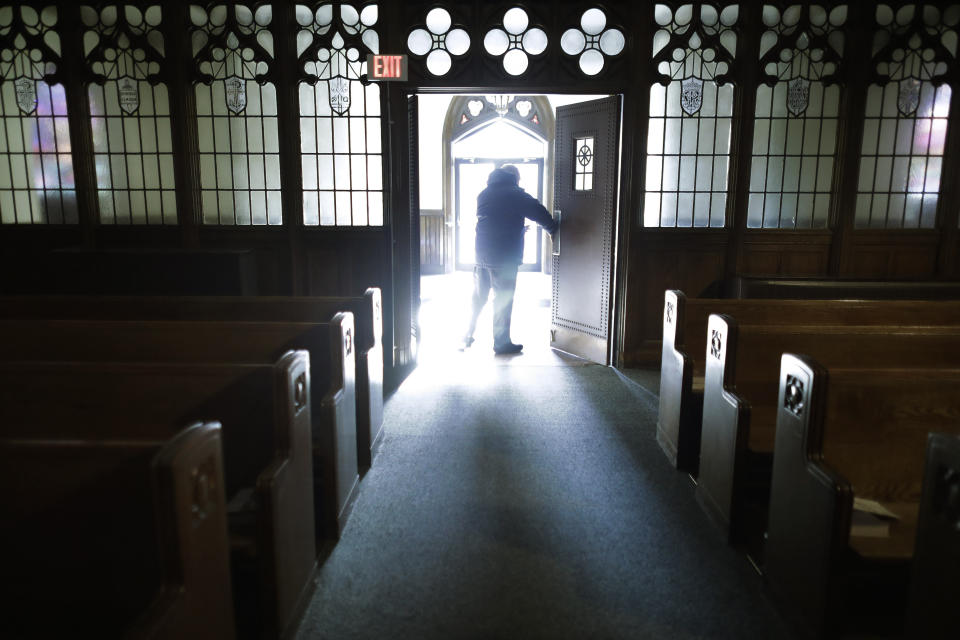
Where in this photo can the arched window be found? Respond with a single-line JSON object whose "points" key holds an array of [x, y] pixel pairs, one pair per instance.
{"points": [[482, 133], [796, 117], [691, 113], [36, 167], [905, 122], [130, 115]]}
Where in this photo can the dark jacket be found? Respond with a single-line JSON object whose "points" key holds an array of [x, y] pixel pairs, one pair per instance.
{"points": [[501, 209]]}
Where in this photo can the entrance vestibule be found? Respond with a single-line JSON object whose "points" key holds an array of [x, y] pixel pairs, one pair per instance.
{"points": [[461, 139]]}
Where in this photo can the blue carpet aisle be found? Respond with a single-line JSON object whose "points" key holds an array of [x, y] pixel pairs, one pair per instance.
{"points": [[530, 501]]}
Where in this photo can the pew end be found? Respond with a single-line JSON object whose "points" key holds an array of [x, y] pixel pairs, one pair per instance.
{"points": [[117, 537], [337, 434], [285, 500], [369, 384], [934, 591], [681, 406], [190, 506], [726, 419], [806, 495]]}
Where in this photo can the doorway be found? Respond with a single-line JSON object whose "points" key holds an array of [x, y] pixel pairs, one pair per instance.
{"points": [[470, 178], [478, 134]]}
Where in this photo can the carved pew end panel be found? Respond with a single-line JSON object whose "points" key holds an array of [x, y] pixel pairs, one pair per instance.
{"points": [[678, 421], [723, 438], [934, 590], [807, 532]]}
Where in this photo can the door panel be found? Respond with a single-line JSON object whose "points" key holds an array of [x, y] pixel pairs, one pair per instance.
{"points": [[585, 192], [413, 149]]}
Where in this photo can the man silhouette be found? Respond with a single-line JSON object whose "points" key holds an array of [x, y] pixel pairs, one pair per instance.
{"points": [[501, 210]]}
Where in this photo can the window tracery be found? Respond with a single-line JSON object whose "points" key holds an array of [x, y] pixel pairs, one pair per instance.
{"points": [[514, 40], [340, 123], [36, 168], [130, 114], [905, 122], [691, 110], [438, 41], [796, 117], [592, 41], [236, 114]]}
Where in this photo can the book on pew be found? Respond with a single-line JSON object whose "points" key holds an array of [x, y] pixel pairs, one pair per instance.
{"points": [[870, 519]]}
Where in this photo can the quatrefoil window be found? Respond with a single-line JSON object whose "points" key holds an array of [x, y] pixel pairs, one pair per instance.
{"points": [[592, 41], [515, 41], [438, 42]]}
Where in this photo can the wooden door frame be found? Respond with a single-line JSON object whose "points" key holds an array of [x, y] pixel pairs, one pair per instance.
{"points": [[404, 223]]}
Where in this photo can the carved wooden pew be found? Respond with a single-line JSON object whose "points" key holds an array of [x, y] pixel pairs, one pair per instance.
{"points": [[835, 289], [739, 400], [331, 371], [265, 413], [105, 538], [685, 345], [848, 433], [934, 589], [367, 311]]}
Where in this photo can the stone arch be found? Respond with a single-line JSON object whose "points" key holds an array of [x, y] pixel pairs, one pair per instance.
{"points": [[538, 121]]}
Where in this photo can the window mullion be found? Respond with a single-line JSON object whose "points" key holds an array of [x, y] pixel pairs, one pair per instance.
{"points": [[73, 76]]}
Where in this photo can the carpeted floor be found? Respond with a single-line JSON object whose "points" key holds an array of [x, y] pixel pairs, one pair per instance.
{"points": [[530, 501]]}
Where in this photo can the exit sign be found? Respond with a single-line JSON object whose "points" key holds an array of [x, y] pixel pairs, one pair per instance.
{"points": [[387, 67]]}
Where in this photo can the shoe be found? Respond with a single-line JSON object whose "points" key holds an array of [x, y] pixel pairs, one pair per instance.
{"points": [[465, 344], [508, 348]]}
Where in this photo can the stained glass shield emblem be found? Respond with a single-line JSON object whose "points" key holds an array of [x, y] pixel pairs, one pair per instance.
{"points": [[26, 90], [691, 95], [909, 98], [128, 92], [236, 94], [339, 95], [798, 95]]}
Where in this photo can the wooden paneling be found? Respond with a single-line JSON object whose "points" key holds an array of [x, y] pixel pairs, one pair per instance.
{"points": [[691, 261], [431, 241], [891, 255], [348, 264], [790, 253]]}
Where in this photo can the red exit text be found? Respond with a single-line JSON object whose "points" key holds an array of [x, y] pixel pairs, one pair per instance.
{"points": [[387, 67]]}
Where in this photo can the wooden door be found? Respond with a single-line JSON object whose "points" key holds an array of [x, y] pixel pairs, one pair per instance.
{"points": [[585, 193]]}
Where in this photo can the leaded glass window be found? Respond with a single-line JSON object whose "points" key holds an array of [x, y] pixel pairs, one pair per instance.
{"points": [[905, 123], [237, 115], [36, 168], [691, 111], [130, 115], [583, 164], [340, 123], [796, 118]]}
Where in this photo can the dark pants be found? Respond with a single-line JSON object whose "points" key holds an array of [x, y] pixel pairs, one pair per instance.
{"points": [[504, 282]]}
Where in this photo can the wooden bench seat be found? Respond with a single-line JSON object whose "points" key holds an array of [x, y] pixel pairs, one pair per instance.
{"points": [[332, 371], [367, 311], [685, 347], [837, 289], [844, 433], [265, 414], [740, 400], [111, 538]]}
